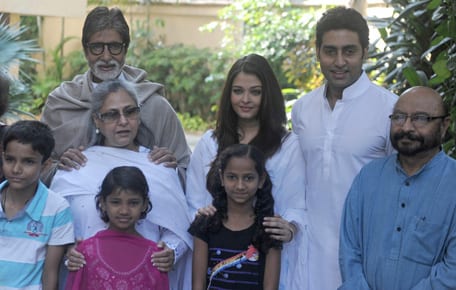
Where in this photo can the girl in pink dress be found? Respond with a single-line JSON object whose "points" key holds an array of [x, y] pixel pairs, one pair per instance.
{"points": [[118, 257]]}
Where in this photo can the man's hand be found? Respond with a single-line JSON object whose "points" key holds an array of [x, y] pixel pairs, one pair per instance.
{"points": [[163, 155], [72, 159]]}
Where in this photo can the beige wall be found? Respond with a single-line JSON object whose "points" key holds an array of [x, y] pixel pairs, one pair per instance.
{"points": [[54, 29], [181, 25], [182, 22], [73, 8]]}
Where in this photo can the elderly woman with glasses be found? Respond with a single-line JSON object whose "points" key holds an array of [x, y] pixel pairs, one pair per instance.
{"points": [[116, 117]]}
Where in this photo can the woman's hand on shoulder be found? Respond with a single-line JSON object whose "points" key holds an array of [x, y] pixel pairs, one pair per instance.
{"points": [[72, 159], [74, 259], [279, 228], [159, 155], [164, 259], [208, 210]]}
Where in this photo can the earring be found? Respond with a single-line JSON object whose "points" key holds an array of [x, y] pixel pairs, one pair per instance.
{"points": [[97, 131]]}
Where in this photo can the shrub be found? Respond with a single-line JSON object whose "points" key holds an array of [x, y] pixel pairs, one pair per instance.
{"points": [[15, 51], [287, 41], [193, 77], [420, 49]]}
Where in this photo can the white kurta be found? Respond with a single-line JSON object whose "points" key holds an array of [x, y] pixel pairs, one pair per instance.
{"points": [[286, 169], [168, 221], [336, 144]]}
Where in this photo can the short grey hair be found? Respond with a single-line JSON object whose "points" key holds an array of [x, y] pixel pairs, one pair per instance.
{"points": [[98, 98], [104, 89]]}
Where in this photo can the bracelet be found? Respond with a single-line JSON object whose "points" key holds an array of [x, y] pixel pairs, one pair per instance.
{"points": [[292, 234]]}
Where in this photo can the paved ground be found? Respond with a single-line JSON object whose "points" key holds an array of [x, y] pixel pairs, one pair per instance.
{"points": [[192, 139]]}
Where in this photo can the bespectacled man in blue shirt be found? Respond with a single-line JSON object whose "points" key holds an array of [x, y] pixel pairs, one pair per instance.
{"points": [[398, 227]]}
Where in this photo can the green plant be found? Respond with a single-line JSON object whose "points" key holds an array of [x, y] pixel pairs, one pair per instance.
{"points": [[75, 63], [193, 77], [300, 65], [420, 49], [14, 51], [291, 96], [59, 69], [194, 123], [286, 41]]}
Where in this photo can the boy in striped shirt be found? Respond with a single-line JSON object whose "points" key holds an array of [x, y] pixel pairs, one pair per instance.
{"points": [[35, 223]]}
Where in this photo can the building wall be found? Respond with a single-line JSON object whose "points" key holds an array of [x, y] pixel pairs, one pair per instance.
{"points": [[181, 25], [73, 8]]}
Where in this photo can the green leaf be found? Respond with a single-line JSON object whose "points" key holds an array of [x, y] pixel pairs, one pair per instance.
{"points": [[440, 68], [433, 4], [440, 45], [412, 76], [436, 80]]}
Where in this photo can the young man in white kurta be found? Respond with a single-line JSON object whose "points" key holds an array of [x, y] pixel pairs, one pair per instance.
{"points": [[336, 144], [341, 125]]}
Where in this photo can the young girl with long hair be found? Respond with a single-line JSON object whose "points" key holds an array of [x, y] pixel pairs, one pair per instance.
{"points": [[231, 248], [252, 111]]}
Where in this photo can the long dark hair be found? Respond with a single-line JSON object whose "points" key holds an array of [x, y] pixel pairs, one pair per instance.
{"points": [[264, 205], [271, 116]]}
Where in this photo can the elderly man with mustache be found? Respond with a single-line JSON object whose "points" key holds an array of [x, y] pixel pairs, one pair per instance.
{"points": [[105, 39], [398, 227]]}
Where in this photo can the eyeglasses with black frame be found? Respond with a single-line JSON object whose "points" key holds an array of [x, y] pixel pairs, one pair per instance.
{"points": [[112, 116], [418, 119], [97, 48]]}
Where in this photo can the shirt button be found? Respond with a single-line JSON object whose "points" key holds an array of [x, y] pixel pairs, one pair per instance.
{"points": [[402, 205], [407, 183], [398, 229]]}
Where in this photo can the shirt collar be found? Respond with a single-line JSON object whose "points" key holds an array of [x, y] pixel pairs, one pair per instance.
{"points": [[435, 161], [35, 207], [356, 89]]}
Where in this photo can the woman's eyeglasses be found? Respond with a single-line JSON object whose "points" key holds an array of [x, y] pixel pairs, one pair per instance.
{"points": [[114, 115]]}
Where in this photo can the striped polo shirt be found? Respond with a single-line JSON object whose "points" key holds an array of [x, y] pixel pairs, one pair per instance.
{"points": [[45, 220]]}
